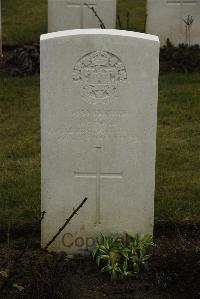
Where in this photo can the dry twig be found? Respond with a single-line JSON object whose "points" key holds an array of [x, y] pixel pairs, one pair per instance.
{"points": [[102, 25], [65, 224]]}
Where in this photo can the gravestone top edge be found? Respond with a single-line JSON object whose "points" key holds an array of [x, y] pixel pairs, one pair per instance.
{"points": [[113, 32]]}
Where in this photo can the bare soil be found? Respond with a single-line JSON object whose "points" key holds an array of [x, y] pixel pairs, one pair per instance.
{"points": [[174, 270], [20, 60]]}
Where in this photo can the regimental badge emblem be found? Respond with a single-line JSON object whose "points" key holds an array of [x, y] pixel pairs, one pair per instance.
{"points": [[99, 73]]}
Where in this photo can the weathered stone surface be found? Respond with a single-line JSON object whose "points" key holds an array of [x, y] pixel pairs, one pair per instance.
{"points": [[74, 14], [98, 119], [165, 18]]}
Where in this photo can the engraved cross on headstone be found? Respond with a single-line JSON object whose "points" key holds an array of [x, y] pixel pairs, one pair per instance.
{"points": [[98, 175], [81, 5]]}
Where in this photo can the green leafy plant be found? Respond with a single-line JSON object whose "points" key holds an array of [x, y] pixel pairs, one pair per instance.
{"points": [[123, 258]]}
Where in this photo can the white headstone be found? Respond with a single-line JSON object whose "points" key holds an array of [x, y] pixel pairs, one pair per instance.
{"points": [[98, 118], [75, 14], [165, 18]]}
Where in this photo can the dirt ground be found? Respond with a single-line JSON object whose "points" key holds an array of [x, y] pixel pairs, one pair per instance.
{"points": [[20, 60], [6, 67], [174, 270]]}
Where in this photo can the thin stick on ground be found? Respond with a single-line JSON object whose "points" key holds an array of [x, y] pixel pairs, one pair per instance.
{"points": [[119, 22], [127, 21], [42, 216], [65, 224], [102, 25]]}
